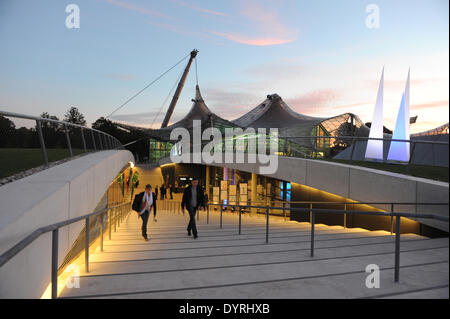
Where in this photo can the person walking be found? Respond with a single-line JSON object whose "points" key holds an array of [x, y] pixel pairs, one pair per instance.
{"points": [[161, 190], [205, 200], [171, 191], [142, 204], [156, 191], [192, 199]]}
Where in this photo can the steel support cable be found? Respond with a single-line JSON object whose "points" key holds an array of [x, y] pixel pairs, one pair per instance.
{"points": [[167, 98], [147, 86]]}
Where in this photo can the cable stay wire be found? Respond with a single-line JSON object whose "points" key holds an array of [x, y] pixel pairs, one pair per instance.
{"points": [[147, 86], [167, 98]]}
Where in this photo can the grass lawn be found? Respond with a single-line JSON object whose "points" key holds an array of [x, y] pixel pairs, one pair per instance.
{"points": [[431, 172], [15, 160]]}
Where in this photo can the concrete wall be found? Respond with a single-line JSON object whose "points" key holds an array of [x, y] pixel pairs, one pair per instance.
{"points": [[360, 184], [59, 193], [422, 154]]}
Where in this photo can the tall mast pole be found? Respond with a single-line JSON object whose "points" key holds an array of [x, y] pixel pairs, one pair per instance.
{"points": [[178, 91]]}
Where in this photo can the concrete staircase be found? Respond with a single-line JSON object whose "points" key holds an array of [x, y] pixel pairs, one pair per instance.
{"points": [[223, 264]]}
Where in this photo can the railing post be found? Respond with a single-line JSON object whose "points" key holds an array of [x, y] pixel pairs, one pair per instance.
{"points": [[392, 219], [285, 147], [221, 210], [397, 249], [83, 140], [55, 239], [345, 216], [240, 219], [310, 212], [101, 231], [313, 220], [115, 219], [100, 140], [267, 225], [86, 245], [353, 148], [93, 140], [69, 145], [118, 216], [42, 142], [408, 167], [110, 223]]}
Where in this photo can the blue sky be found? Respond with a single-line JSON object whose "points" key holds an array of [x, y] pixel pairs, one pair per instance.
{"points": [[318, 55]]}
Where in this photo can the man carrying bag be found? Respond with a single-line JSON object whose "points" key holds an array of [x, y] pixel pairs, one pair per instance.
{"points": [[142, 204]]}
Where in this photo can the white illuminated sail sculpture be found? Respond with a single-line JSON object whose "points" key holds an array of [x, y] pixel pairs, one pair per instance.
{"points": [[374, 148], [399, 151]]}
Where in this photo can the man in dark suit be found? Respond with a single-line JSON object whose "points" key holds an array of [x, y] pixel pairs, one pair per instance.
{"points": [[161, 191], [171, 189], [142, 204], [193, 198]]}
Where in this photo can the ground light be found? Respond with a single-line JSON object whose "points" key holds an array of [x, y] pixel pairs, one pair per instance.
{"points": [[70, 270]]}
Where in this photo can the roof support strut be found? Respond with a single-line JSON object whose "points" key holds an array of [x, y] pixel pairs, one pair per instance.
{"points": [[178, 91]]}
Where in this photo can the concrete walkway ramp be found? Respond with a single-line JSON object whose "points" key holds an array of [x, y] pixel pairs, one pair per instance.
{"points": [[223, 264]]}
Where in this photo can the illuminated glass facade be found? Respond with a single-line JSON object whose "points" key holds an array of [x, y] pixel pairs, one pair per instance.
{"points": [[158, 150]]}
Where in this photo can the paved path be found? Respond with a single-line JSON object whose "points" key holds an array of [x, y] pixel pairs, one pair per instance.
{"points": [[223, 264]]}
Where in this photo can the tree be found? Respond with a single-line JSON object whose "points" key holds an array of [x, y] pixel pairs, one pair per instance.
{"points": [[74, 116], [107, 126], [52, 132], [7, 130], [139, 148]]}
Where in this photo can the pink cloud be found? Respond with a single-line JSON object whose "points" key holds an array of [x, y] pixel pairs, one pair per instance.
{"points": [[135, 8], [253, 41], [267, 25], [429, 105], [314, 102]]}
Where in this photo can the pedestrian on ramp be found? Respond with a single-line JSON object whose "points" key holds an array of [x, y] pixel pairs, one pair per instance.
{"points": [[142, 205], [193, 198]]}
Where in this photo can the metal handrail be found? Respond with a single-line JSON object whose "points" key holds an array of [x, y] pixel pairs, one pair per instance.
{"points": [[358, 203], [367, 138], [109, 141], [313, 211], [344, 137], [352, 146], [54, 228]]}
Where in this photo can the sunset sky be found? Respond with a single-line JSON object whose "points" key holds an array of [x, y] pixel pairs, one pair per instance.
{"points": [[319, 56]]}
